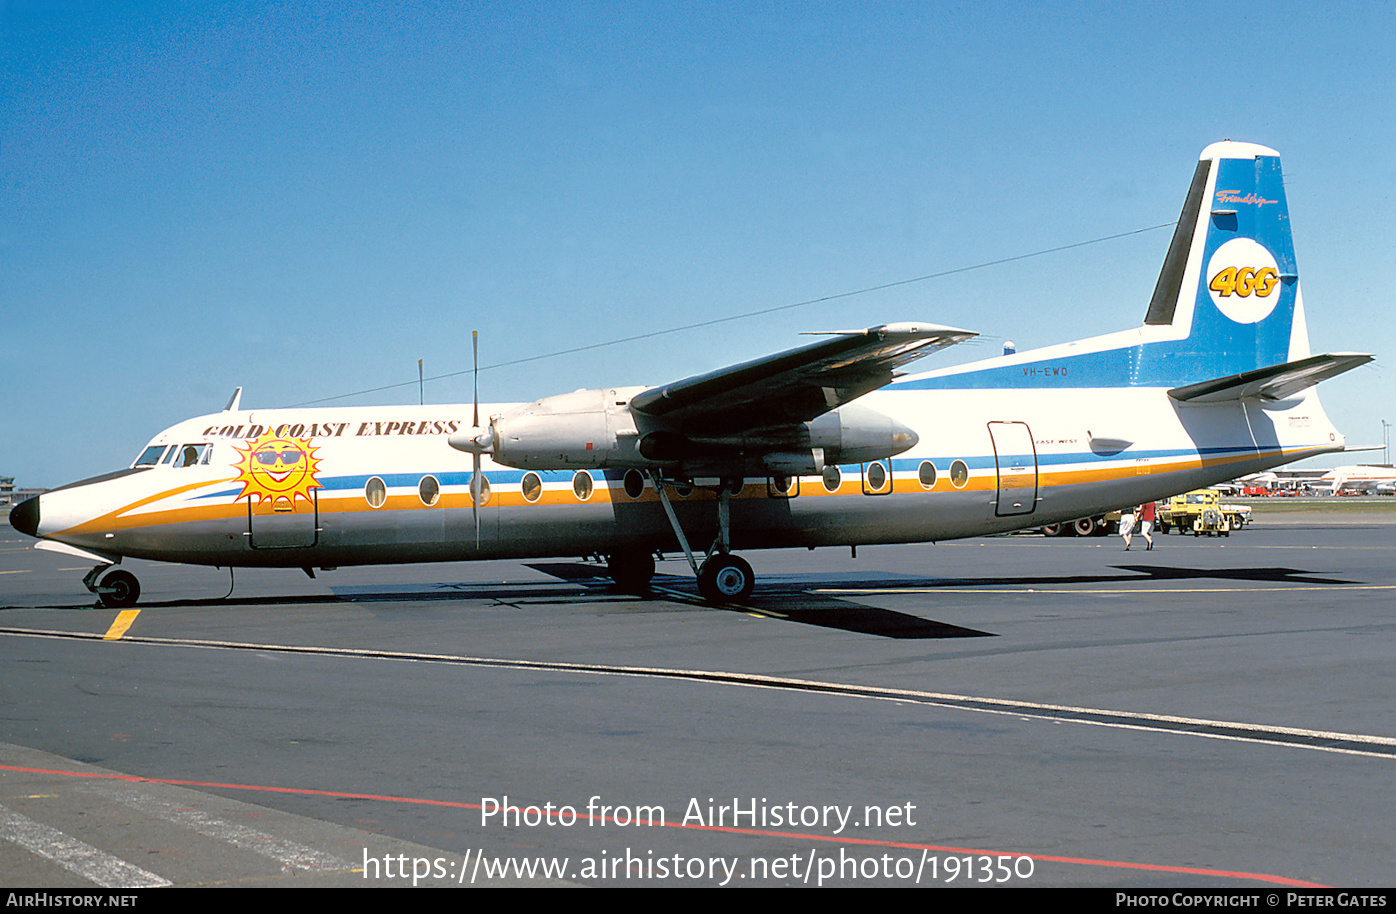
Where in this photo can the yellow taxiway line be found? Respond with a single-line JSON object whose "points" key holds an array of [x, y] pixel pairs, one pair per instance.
{"points": [[120, 624]]}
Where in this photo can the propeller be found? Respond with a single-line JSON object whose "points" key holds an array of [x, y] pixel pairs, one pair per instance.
{"points": [[475, 440], [474, 424]]}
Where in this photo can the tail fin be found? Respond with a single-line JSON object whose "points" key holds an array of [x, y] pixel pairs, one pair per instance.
{"points": [[1229, 289], [1226, 321]]}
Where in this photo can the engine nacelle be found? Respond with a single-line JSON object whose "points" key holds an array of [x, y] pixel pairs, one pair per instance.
{"points": [[849, 434], [857, 434], [595, 429], [586, 429]]}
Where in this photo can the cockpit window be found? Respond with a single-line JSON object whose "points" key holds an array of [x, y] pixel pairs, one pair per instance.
{"points": [[176, 455], [150, 456], [193, 455]]}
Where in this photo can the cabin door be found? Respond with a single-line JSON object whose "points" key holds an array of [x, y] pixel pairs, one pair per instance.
{"points": [[280, 524], [1015, 457]]}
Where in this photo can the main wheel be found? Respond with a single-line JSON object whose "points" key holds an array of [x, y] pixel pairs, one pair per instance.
{"points": [[726, 579], [124, 589], [1085, 526], [632, 571]]}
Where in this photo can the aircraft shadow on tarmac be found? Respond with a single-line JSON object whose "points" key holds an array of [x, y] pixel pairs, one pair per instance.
{"points": [[1139, 574], [1270, 575], [792, 598], [801, 598], [792, 602]]}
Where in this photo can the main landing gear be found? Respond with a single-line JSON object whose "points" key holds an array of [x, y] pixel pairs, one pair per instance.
{"points": [[722, 577], [631, 570], [725, 578], [117, 590]]}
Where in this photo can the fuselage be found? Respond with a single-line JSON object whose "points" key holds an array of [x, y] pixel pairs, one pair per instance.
{"points": [[381, 484], [1217, 383]]}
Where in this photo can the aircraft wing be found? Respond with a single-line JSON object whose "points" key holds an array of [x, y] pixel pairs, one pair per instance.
{"points": [[797, 385], [1274, 383]]}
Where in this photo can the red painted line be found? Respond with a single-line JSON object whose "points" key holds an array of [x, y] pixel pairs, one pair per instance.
{"points": [[831, 839]]}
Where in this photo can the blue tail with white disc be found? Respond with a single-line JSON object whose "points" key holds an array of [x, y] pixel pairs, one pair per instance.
{"points": [[1229, 289], [1226, 319]]}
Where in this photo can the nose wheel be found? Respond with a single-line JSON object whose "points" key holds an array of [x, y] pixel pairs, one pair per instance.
{"points": [[117, 590]]}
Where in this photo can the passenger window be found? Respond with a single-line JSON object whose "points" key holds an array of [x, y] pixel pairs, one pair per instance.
{"points": [[782, 487], [875, 479], [484, 489], [959, 474], [926, 474]]}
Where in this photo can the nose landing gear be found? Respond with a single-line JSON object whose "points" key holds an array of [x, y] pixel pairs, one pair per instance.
{"points": [[117, 590]]}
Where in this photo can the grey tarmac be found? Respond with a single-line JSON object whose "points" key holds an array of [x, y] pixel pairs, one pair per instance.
{"points": [[1012, 710]]}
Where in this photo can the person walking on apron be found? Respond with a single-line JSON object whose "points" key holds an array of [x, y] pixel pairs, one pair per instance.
{"points": [[1147, 516]]}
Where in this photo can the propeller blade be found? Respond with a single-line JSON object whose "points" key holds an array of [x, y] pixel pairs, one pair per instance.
{"points": [[475, 498], [475, 422]]}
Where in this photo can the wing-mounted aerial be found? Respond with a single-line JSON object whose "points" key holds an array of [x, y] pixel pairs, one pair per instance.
{"points": [[785, 414]]}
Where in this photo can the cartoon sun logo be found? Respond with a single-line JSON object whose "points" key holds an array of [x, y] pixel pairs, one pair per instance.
{"points": [[278, 468]]}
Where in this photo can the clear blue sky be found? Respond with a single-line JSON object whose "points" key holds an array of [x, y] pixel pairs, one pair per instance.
{"points": [[304, 199]]}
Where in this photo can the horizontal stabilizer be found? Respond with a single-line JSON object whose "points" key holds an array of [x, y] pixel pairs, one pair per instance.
{"points": [[1276, 382]]}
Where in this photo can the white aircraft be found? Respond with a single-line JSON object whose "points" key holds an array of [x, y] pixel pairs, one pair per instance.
{"points": [[1372, 479], [819, 446]]}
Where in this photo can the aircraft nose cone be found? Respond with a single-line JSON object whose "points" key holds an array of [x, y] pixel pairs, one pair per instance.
{"points": [[24, 517]]}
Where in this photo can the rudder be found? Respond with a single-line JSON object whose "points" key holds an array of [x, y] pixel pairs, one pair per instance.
{"points": [[1229, 288]]}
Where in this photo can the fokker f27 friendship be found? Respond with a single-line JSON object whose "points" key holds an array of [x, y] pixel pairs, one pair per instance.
{"points": [[824, 445]]}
